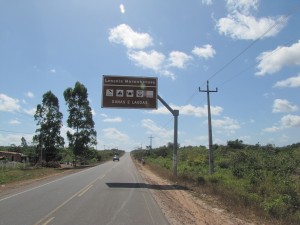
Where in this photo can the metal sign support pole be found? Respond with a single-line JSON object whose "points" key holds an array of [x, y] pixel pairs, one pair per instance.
{"points": [[175, 113]]}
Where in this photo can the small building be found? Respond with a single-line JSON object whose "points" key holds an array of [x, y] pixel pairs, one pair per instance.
{"points": [[13, 156]]}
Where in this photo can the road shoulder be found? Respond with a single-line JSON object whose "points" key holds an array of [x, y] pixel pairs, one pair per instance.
{"points": [[181, 207]]}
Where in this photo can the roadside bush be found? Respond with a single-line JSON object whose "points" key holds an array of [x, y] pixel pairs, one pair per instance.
{"points": [[224, 164], [53, 164], [50, 164], [279, 206], [93, 161], [42, 163]]}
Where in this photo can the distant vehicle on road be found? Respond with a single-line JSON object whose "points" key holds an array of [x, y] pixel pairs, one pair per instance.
{"points": [[116, 157]]}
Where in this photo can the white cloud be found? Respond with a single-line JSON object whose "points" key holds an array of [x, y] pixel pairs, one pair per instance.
{"points": [[283, 105], [273, 61], [291, 82], [122, 8], [29, 94], [53, 70], [272, 129], [207, 2], [65, 129], [94, 112], [136, 42], [167, 73], [179, 59], [287, 121], [14, 122], [190, 110], [123, 34], [7, 140], [8, 104], [206, 51], [226, 123], [157, 61], [113, 120], [241, 24], [114, 134], [290, 121], [151, 60], [244, 6], [30, 112], [161, 133]]}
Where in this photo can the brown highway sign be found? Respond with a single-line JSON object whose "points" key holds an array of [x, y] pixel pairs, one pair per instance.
{"points": [[129, 92]]}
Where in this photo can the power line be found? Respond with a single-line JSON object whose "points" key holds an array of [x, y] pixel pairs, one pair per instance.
{"points": [[245, 69], [283, 19]]}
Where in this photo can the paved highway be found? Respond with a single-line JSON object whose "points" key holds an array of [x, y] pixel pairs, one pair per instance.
{"points": [[112, 194]]}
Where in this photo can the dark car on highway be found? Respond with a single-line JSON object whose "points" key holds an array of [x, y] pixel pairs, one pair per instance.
{"points": [[116, 157]]}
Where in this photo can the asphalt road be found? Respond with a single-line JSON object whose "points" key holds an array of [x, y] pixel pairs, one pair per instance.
{"points": [[112, 194]]}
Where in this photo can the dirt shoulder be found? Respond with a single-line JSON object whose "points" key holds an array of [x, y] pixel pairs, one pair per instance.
{"points": [[182, 207]]}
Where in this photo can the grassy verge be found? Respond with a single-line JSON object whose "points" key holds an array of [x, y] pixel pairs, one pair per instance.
{"points": [[14, 175]]}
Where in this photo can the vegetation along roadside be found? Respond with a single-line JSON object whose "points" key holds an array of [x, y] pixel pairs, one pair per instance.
{"points": [[252, 179]]}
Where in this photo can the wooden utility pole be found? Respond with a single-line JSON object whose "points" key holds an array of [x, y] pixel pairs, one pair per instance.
{"points": [[210, 142]]}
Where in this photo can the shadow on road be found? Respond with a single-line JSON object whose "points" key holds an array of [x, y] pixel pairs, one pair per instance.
{"points": [[148, 186]]}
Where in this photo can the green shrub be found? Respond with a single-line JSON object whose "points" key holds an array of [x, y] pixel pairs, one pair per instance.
{"points": [[278, 206], [224, 164], [93, 161]]}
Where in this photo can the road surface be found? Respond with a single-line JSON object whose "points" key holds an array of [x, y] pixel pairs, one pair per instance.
{"points": [[112, 194]]}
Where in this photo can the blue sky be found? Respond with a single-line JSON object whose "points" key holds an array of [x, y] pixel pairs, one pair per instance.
{"points": [[248, 49]]}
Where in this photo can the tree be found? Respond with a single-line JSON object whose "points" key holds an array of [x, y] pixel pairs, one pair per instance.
{"points": [[23, 143], [237, 144], [80, 120], [49, 122]]}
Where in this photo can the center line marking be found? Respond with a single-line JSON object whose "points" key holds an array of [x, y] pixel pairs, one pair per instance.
{"points": [[85, 190], [80, 192], [48, 221]]}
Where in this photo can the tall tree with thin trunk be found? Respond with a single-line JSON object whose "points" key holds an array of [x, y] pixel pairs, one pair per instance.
{"points": [[49, 122], [80, 120]]}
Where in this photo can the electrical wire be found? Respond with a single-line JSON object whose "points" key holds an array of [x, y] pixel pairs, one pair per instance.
{"points": [[281, 21]]}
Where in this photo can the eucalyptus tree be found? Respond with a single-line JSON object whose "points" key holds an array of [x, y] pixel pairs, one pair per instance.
{"points": [[49, 122], [80, 120], [24, 143]]}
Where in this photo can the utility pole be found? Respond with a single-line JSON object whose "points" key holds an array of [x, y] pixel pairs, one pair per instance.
{"points": [[151, 137], [210, 142]]}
